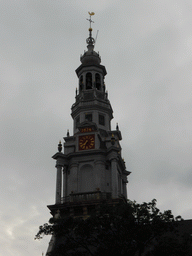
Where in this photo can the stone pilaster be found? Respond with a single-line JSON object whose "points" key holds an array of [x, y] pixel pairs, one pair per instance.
{"points": [[114, 178], [124, 189], [64, 183], [58, 184]]}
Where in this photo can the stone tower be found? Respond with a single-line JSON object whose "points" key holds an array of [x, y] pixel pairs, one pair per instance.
{"points": [[90, 168]]}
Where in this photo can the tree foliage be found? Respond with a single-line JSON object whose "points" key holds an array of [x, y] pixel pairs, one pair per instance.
{"points": [[124, 229]]}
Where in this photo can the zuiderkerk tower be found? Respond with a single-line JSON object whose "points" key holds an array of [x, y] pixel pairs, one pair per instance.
{"points": [[90, 168]]}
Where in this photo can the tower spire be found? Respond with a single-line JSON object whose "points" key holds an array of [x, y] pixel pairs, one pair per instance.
{"points": [[90, 40]]}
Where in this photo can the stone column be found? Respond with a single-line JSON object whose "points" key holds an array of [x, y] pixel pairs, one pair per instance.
{"points": [[64, 183], [124, 189], [58, 184], [114, 178]]}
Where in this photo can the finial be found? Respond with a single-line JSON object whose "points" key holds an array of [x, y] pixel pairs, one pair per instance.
{"points": [[112, 139], [57, 214], [59, 146], [106, 94], [117, 127], [67, 132], [90, 40], [104, 87]]}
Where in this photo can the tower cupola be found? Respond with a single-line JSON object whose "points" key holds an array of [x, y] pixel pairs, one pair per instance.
{"points": [[91, 73], [90, 56]]}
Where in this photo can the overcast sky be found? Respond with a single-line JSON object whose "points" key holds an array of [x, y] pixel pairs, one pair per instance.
{"points": [[146, 47]]}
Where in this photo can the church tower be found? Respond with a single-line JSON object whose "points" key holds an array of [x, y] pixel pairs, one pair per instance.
{"points": [[90, 168]]}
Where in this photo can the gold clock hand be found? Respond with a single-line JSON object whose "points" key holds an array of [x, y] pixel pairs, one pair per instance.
{"points": [[85, 143]]}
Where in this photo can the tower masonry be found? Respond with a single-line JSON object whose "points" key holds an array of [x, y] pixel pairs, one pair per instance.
{"points": [[90, 168]]}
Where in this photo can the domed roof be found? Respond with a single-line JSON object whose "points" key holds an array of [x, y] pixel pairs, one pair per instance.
{"points": [[90, 57]]}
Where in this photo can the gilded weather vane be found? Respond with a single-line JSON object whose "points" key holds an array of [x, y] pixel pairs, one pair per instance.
{"points": [[90, 20], [90, 40]]}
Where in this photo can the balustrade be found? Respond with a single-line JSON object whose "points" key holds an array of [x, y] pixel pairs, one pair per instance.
{"points": [[86, 196]]}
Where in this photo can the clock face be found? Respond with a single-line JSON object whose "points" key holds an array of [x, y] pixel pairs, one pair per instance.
{"points": [[86, 142]]}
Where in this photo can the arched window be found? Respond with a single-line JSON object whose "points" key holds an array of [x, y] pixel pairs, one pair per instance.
{"points": [[81, 83], [98, 81], [101, 119], [88, 81]]}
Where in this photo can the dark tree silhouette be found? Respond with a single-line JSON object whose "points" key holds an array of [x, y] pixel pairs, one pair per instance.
{"points": [[130, 229]]}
